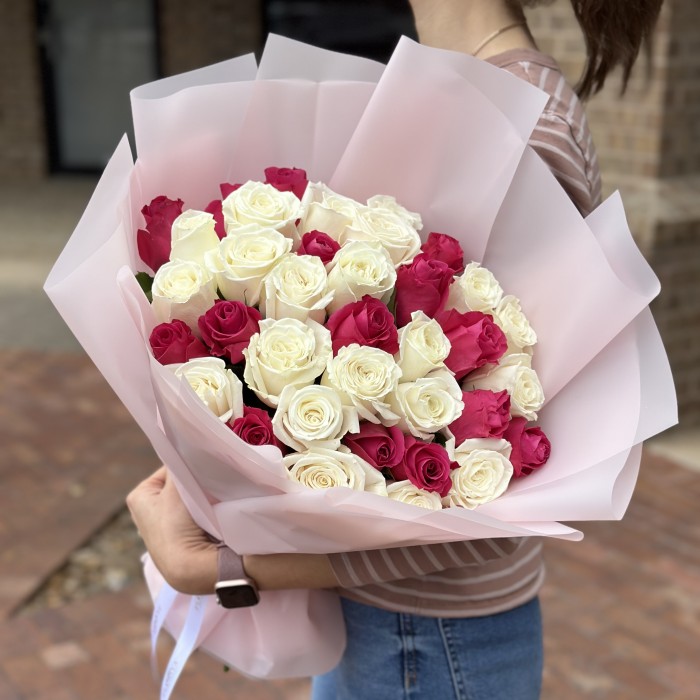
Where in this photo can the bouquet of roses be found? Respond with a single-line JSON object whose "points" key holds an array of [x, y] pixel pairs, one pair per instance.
{"points": [[285, 332], [327, 329]]}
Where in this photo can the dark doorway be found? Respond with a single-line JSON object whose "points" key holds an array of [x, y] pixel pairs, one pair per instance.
{"points": [[92, 54], [368, 28]]}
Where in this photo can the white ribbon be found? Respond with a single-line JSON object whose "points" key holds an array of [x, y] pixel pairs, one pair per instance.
{"points": [[186, 641], [166, 597]]}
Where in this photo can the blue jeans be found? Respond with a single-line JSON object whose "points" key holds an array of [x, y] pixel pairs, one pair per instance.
{"points": [[397, 656]]}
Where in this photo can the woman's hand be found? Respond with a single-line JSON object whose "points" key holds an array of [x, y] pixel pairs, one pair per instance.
{"points": [[187, 558], [182, 552]]}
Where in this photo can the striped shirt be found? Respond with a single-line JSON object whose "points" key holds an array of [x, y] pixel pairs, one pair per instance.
{"points": [[483, 577]]}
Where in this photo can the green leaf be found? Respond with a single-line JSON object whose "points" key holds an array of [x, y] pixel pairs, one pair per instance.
{"points": [[391, 304], [146, 283], [440, 439]]}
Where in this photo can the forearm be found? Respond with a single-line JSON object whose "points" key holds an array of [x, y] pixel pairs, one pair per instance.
{"points": [[274, 572], [196, 573]]}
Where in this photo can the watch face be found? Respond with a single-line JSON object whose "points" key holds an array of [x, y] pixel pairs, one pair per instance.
{"points": [[240, 596]]}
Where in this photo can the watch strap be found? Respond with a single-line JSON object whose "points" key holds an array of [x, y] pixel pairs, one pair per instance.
{"points": [[230, 564]]}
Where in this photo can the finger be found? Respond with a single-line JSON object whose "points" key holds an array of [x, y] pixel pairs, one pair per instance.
{"points": [[151, 486], [159, 477], [155, 483]]}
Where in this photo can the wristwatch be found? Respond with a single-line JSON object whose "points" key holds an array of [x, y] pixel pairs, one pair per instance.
{"points": [[235, 589]]}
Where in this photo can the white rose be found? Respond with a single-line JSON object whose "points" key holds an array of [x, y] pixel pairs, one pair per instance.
{"points": [[482, 476], [384, 201], [182, 290], [313, 416], [218, 388], [428, 404], [263, 205], [324, 469], [512, 350], [512, 321], [515, 375], [240, 262], [400, 239], [363, 376], [360, 268], [193, 234], [476, 289], [406, 492], [325, 210], [285, 352], [297, 287], [320, 193], [423, 347], [499, 445], [318, 217]]}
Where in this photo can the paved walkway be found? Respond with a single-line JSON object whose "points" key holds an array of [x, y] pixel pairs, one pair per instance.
{"points": [[621, 608]]}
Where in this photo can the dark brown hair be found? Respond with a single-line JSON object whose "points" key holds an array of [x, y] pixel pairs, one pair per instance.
{"points": [[615, 31]]}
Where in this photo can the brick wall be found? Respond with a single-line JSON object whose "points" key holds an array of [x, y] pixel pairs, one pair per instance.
{"points": [[681, 124], [649, 147], [675, 256], [22, 140], [195, 34], [627, 132]]}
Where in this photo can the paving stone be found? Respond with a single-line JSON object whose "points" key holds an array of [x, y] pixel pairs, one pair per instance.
{"points": [[45, 515], [64, 655]]}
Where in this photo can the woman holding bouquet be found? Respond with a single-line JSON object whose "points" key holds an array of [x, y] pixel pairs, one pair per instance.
{"points": [[459, 620]]}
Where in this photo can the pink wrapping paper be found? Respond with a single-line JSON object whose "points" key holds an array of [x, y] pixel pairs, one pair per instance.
{"points": [[446, 134]]}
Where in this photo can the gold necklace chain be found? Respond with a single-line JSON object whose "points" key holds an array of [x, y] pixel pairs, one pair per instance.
{"points": [[498, 32]]}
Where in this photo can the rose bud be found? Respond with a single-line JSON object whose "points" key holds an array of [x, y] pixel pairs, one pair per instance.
{"points": [[173, 343], [227, 327], [365, 322], [214, 208], [426, 465], [423, 285], [486, 414], [440, 246], [154, 241], [255, 428], [319, 244], [287, 180], [226, 188], [530, 447], [476, 340], [378, 445]]}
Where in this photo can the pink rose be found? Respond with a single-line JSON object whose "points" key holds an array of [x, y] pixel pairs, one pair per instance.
{"points": [[440, 246], [255, 428], [227, 327], [287, 180], [422, 285], [154, 242], [475, 339], [378, 445], [173, 343], [531, 447], [319, 244], [426, 465], [214, 208], [365, 322], [486, 414], [226, 188]]}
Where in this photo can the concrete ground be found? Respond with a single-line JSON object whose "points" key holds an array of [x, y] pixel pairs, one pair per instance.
{"points": [[621, 608]]}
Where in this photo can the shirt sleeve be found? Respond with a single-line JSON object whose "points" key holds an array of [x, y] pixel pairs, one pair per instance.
{"points": [[562, 137], [553, 140], [381, 565]]}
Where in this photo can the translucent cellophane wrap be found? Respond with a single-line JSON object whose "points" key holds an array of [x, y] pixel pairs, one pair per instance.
{"points": [[446, 135]]}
